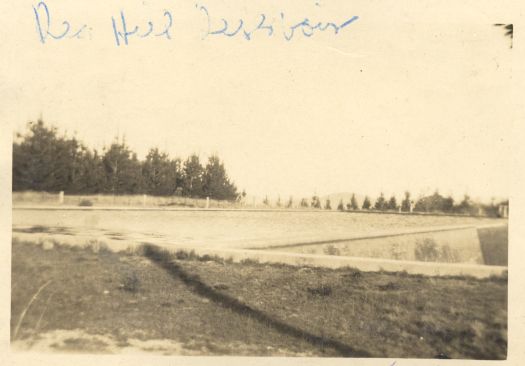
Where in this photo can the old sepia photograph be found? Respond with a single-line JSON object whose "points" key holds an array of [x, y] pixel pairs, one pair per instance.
{"points": [[315, 179]]}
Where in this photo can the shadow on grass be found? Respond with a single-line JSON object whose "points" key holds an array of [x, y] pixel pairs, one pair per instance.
{"points": [[165, 261], [39, 229], [494, 245]]}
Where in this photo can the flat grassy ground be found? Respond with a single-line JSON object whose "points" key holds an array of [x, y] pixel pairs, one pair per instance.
{"points": [[99, 301]]}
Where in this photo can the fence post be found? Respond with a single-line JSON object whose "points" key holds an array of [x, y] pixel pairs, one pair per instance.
{"points": [[207, 202], [61, 197], [143, 200]]}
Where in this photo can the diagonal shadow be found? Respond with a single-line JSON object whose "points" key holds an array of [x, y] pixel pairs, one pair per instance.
{"points": [[161, 258]]}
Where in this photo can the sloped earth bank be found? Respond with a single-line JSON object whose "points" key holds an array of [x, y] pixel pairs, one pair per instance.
{"points": [[92, 300], [230, 229]]}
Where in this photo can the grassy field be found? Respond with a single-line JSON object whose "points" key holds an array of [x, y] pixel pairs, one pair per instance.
{"points": [[92, 300]]}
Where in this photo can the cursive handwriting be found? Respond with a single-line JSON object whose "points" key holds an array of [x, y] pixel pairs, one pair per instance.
{"points": [[123, 30], [241, 28], [46, 28], [123, 33]]}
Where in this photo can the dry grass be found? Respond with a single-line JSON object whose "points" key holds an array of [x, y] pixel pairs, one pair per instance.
{"points": [[211, 306]]}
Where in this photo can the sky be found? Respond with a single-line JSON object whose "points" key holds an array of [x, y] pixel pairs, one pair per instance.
{"points": [[399, 100]]}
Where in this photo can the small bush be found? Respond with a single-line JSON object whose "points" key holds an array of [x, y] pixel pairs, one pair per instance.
{"points": [[85, 203], [331, 250], [206, 258], [96, 246], [426, 251], [322, 290], [133, 250], [249, 261], [185, 255], [504, 277], [389, 286], [181, 255], [353, 274], [130, 283]]}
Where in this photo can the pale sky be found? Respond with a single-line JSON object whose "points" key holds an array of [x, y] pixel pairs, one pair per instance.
{"points": [[398, 100]]}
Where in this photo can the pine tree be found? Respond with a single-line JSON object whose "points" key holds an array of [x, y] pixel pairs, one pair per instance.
{"points": [[242, 196], [366, 203], [192, 177], [316, 202], [353, 202], [160, 174], [405, 204], [43, 161], [216, 183], [392, 203], [380, 202], [123, 170]]}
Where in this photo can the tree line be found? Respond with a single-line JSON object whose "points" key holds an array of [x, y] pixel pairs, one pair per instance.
{"points": [[45, 161], [435, 203]]}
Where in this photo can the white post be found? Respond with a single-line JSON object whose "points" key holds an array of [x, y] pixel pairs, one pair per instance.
{"points": [[143, 200], [411, 206], [61, 197], [207, 202]]}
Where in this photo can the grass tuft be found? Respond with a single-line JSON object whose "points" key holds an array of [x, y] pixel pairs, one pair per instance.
{"points": [[85, 203], [130, 283], [322, 290], [96, 246], [389, 286], [249, 261]]}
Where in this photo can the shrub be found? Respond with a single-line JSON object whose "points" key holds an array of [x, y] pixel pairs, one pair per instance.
{"points": [[427, 251], [96, 246], [331, 250], [249, 261], [353, 274], [322, 290], [130, 282], [388, 286], [85, 203], [185, 255]]}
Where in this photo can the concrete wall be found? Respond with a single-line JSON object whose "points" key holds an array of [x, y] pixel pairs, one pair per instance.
{"points": [[451, 246]]}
